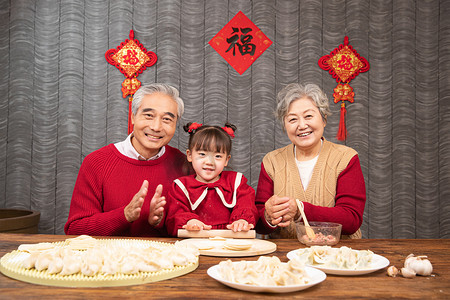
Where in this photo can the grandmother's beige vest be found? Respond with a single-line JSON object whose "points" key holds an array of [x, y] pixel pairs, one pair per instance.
{"points": [[280, 165]]}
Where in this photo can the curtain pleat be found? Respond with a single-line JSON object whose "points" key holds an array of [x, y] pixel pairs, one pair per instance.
{"points": [[4, 90], [63, 100], [20, 106], [216, 68], [144, 25], [45, 113], [168, 31], [403, 108], [263, 77], [120, 22], [192, 65], [427, 112], [239, 103], [287, 54], [357, 28], [332, 36], [310, 47], [444, 118], [70, 106], [380, 116], [95, 81]]}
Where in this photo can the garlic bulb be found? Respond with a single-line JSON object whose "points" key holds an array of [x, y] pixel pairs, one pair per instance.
{"points": [[408, 273], [419, 264], [392, 271]]}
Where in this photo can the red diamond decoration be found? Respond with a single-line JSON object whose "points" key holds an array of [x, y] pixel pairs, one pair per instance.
{"points": [[240, 42]]}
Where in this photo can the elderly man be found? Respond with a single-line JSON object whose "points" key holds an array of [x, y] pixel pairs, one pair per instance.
{"points": [[104, 200]]}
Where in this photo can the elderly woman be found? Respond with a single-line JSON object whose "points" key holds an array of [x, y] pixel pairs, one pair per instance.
{"points": [[326, 177]]}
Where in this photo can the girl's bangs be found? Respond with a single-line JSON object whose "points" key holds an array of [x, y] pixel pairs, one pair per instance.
{"points": [[209, 141]]}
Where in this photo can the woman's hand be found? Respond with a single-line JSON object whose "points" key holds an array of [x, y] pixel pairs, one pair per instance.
{"points": [[196, 225], [240, 225], [280, 211]]}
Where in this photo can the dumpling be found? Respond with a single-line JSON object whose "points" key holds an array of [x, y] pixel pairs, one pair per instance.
{"points": [[56, 265], [29, 262], [110, 267], [43, 260], [226, 270], [129, 266], [72, 265], [90, 269], [148, 266]]}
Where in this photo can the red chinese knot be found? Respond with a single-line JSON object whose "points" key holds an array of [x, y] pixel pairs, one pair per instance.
{"points": [[131, 58], [344, 64]]}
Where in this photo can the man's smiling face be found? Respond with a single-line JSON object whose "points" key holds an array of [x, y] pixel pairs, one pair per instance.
{"points": [[154, 124]]}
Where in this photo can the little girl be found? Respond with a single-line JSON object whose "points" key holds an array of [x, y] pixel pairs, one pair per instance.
{"points": [[211, 198]]}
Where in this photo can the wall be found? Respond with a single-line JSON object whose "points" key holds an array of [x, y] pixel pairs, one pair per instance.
{"points": [[62, 100]]}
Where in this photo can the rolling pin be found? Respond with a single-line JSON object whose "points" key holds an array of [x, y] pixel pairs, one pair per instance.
{"points": [[225, 233]]}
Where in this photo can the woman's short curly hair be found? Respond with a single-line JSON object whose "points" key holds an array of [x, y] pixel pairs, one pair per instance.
{"points": [[295, 91]]}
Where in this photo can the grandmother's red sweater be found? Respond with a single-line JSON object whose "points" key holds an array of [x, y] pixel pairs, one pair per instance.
{"points": [[348, 209], [106, 183]]}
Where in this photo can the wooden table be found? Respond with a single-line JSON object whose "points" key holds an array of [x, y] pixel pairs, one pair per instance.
{"points": [[200, 286]]}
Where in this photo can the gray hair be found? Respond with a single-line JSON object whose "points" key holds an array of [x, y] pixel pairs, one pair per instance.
{"points": [[157, 88], [295, 91]]}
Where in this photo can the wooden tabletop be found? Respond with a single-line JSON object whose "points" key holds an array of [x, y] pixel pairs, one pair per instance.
{"points": [[199, 285]]}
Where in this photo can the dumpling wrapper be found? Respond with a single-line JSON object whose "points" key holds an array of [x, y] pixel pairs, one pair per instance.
{"points": [[238, 244], [217, 238], [204, 245], [36, 247]]}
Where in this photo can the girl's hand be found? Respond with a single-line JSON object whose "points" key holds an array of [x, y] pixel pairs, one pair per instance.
{"points": [[240, 225], [196, 225]]}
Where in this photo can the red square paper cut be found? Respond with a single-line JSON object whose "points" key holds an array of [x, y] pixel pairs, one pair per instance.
{"points": [[240, 42]]}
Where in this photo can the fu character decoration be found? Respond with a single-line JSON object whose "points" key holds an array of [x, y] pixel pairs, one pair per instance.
{"points": [[344, 64], [131, 58], [240, 42]]}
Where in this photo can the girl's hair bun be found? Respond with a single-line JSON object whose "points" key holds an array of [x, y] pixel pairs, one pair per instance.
{"points": [[191, 127]]}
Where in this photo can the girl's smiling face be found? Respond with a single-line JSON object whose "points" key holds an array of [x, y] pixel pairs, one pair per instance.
{"points": [[304, 124], [208, 165]]}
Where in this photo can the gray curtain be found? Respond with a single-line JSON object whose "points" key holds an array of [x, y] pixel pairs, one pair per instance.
{"points": [[61, 100]]}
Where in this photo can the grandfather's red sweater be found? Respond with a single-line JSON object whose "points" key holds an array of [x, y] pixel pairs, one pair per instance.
{"points": [[106, 183]]}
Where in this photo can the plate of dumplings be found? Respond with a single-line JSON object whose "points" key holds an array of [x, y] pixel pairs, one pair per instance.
{"points": [[340, 261], [87, 262], [266, 275]]}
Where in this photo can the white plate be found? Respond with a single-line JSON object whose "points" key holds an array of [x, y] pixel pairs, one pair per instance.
{"points": [[316, 276], [378, 262]]}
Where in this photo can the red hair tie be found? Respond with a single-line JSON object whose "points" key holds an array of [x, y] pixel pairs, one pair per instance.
{"points": [[229, 130], [194, 126]]}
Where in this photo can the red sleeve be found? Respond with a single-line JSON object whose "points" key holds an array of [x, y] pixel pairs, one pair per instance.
{"points": [[349, 202], [263, 192], [178, 210], [245, 204], [86, 214]]}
